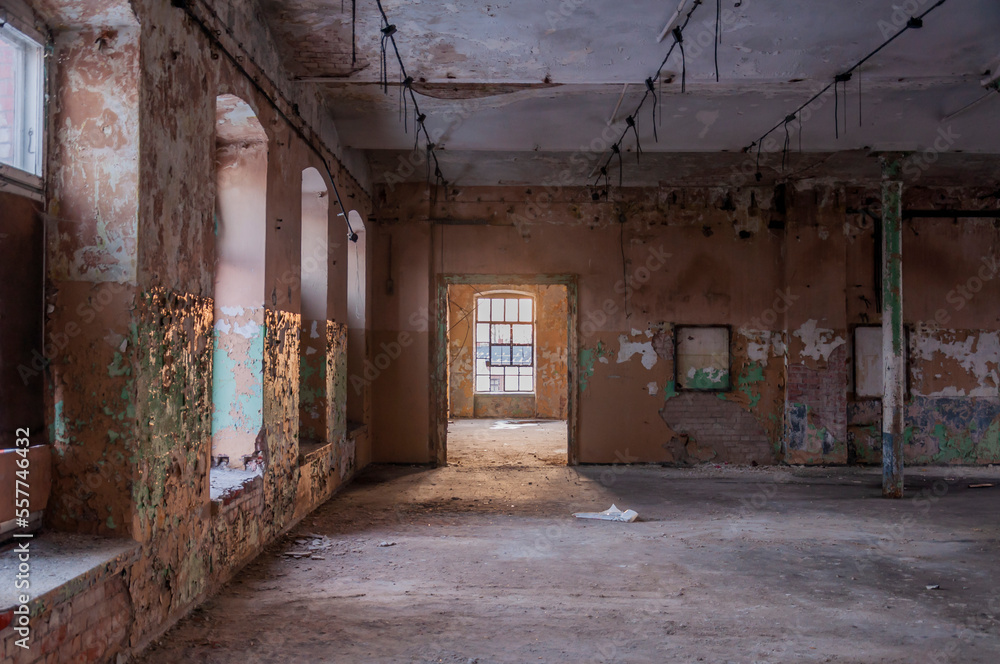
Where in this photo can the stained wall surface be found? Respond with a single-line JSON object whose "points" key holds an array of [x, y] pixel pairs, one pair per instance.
{"points": [[131, 259], [788, 270]]}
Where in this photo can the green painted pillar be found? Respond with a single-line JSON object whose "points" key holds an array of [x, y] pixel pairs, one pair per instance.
{"points": [[893, 339]]}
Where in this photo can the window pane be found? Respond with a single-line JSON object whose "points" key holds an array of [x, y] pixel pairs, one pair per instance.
{"points": [[526, 383], [512, 308], [500, 334], [481, 367], [483, 308], [482, 351], [482, 383], [521, 355], [21, 100], [510, 371], [510, 383], [524, 307], [496, 385], [497, 312], [522, 334], [500, 355], [482, 333]]}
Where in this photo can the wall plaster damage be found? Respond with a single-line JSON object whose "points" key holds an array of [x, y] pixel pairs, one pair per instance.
{"points": [[209, 355]]}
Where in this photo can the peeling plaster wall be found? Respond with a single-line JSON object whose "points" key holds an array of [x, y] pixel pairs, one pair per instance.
{"points": [[92, 223], [131, 261], [687, 253], [550, 397], [790, 269]]}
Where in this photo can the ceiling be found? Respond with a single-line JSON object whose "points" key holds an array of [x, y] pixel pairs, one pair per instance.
{"points": [[520, 93]]}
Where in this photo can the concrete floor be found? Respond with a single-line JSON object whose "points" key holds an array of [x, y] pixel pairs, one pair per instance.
{"points": [[507, 443], [484, 563]]}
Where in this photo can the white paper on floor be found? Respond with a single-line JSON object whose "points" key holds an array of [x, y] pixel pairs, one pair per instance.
{"points": [[610, 514]]}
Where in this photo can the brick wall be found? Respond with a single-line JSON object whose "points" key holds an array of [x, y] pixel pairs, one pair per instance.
{"points": [[713, 429], [76, 623], [817, 409]]}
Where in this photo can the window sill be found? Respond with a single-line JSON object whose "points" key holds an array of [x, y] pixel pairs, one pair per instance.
{"points": [[15, 181]]}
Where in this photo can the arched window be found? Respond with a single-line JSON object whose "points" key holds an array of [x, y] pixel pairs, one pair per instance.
{"points": [[505, 343], [240, 225], [315, 271], [356, 321]]}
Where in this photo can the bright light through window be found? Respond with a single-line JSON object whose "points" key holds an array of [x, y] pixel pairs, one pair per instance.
{"points": [[505, 345], [21, 93]]}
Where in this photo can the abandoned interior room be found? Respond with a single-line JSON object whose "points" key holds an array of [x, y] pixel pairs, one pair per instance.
{"points": [[332, 330]]}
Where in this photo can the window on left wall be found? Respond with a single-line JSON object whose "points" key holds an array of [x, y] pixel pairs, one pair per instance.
{"points": [[22, 95]]}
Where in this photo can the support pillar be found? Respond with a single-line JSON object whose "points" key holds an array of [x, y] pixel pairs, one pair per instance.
{"points": [[893, 360]]}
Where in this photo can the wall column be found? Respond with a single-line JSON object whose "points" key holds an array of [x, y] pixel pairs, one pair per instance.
{"points": [[893, 360]]}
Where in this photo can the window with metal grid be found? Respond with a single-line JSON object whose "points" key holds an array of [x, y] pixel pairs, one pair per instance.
{"points": [[505, 344]]}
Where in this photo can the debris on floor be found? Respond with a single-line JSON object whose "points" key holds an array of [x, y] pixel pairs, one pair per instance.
{"points": [[934, 587], [985, 485], [610, 514], [387, 544], [310, 546]]}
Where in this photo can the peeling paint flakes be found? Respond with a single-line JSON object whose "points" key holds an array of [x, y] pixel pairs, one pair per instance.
{"points": [[652, 387], [249, 330], [819, 342], [629, 348]]}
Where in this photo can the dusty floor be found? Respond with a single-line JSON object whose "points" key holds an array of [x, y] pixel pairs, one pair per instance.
{"points": [[506, 442], [484, 563]]}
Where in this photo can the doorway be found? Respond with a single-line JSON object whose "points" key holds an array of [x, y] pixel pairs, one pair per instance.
{"points": [[508, 389]]}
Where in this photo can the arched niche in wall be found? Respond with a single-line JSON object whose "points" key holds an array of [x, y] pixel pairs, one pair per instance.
{"points": [[240, 224], [315, 278], [357, 301]]}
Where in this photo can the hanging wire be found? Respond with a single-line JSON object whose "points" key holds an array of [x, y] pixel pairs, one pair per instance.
{"points": [[630, 122], [354, 27], [654, 84], [718, 35], [915, 22], [679, 40], [784, 149], [239, 63], [406, 91], [649, 88], [860, 105]]}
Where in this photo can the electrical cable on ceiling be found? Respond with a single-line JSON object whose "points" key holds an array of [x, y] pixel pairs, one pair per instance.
{"points": [[214, 36], [913, 23], [649, 87], [354, 29], [859, 97], [388, 31], [679, 40], [630, 122], [651, 90]]}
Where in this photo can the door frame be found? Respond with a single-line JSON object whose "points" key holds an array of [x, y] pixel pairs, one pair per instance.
{"points": [[439, 354]]}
